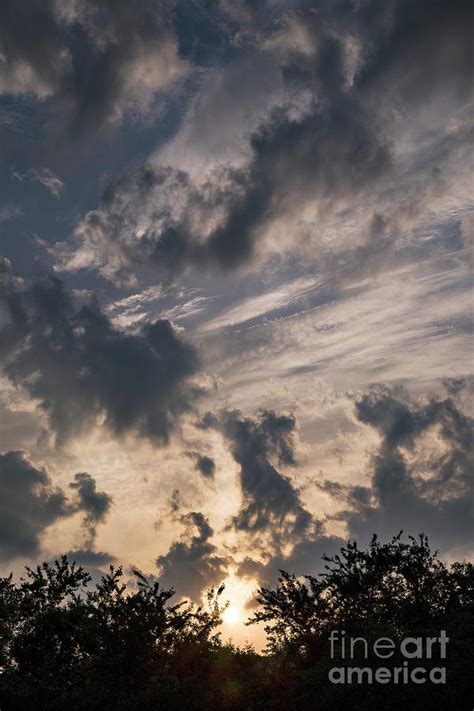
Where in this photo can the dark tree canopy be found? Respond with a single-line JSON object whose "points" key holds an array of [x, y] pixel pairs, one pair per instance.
{"points": [[65, 646]]}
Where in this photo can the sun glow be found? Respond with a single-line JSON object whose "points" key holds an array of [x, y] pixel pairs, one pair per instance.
{"points": [[232, 615], [237, 593]]}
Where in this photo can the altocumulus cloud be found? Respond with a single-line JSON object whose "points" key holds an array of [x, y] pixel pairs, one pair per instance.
{"points": [[160, 216], [80, 368], [30, 503], [333, 142]]}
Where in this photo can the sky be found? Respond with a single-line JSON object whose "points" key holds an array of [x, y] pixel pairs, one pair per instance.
{"points": [[235, 285]]}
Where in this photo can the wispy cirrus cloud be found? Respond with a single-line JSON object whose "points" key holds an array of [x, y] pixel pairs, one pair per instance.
{"points": [[43, 176]]}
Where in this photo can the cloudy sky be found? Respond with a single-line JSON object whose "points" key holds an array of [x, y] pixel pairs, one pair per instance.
{"points": [[235, 290]]}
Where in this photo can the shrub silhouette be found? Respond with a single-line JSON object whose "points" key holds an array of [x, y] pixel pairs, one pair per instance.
{"points": [[64, 646]]}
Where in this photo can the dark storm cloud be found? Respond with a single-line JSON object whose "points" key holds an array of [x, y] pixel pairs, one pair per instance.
{"points": [[415, 487], [32, 47], [271, 504], [80, 368], [95, 58], [93, 561], [415, 484], [415, 48], [95, 503], [206, 465], [29, 504], [270, 501], [412, 50], [454, 386], [90, 558], [192, 567], [156, 217], [304, 559]]}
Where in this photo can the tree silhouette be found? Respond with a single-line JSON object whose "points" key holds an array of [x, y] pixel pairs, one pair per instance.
{"points": [[393, 590], [66, 645]]}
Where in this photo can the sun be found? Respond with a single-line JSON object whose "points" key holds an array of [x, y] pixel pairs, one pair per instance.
{"points": [[236, 594], [232, 615]]}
